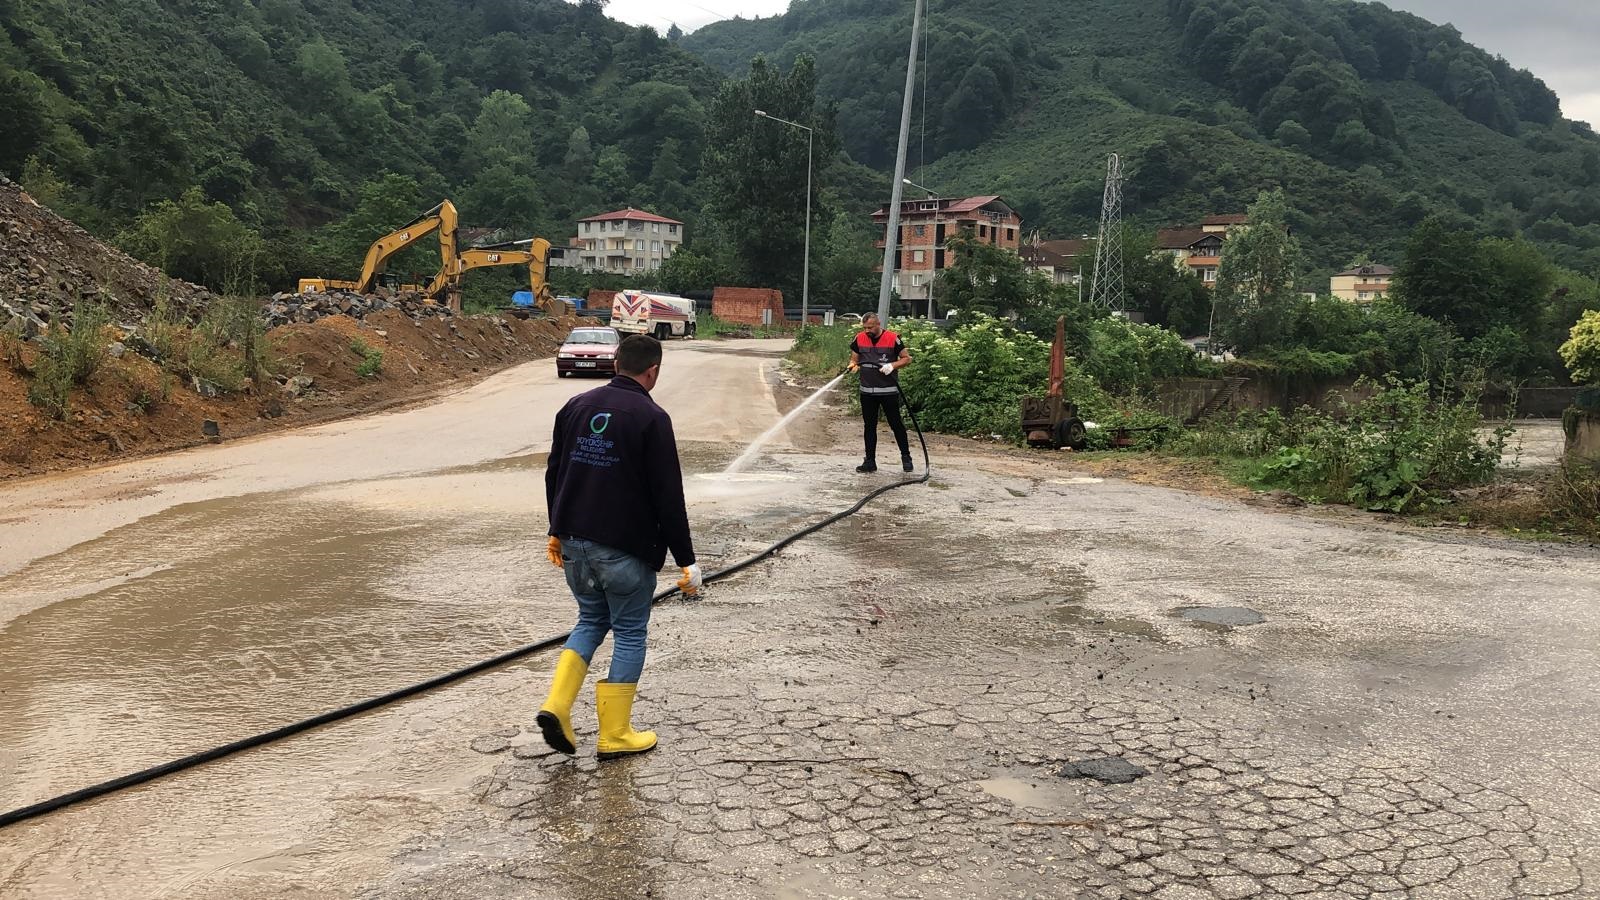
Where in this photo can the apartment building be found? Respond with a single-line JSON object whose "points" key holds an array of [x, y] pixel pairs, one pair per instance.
{"points": [[925, 227], [628, 241], [1362, 284]]}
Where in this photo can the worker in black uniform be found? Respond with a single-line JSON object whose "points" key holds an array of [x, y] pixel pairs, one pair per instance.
{"points": [[879, 355], [614, 492]]}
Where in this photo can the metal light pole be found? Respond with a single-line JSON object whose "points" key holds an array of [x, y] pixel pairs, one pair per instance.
{"points": [[805, 276], [892, 242], [936, 245]]}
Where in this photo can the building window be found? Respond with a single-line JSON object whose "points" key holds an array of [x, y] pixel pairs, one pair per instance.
{"points": [[1208, 275], [655, 227], [638, 263], [655, 246], [917, 256], [639, 246], [921, 230], [983, 231], [672, 229], [916, 281]]}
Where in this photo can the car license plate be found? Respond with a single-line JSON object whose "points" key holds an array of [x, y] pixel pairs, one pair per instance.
{"points": [[585, 365]]}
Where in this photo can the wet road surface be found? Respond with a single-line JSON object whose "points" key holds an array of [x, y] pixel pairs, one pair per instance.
{"points": [[880, 712]]}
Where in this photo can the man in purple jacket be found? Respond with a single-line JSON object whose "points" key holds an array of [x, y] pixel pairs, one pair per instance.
{"points": [[614, 492]]}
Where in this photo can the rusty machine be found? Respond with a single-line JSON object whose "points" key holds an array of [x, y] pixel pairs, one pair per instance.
{"points": [[1052, 420]]}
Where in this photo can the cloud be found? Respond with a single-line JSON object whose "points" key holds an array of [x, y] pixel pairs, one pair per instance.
{"points": [[689, 14]]}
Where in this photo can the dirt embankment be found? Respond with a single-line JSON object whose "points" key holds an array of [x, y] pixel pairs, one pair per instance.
{"points": [[131, 404]]}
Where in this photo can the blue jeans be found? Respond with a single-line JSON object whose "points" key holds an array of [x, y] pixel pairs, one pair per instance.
{"points": [[613, 590]]}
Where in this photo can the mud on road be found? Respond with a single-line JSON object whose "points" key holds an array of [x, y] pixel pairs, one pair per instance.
{"points": [[883, 711]]}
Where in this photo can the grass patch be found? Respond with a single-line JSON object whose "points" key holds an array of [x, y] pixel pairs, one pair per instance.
{"points": [[371, 358]]}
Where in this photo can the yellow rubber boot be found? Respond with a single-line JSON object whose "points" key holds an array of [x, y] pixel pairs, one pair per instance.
{"points": [[555, 716], [614, 703]]}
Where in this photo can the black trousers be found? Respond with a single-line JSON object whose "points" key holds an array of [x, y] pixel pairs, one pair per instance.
{"points": [[890, 405]]}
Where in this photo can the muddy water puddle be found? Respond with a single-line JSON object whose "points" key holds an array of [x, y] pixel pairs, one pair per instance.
{"points": [[217, 620]]}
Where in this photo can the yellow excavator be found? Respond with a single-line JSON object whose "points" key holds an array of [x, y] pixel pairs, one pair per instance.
{"points": [[533, 253], [441, 219]]}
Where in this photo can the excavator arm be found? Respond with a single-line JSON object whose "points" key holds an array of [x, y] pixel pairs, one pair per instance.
{"points": [[536, 257], [441, 218]]}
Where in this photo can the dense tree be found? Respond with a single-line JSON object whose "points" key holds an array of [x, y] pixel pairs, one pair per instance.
{"points": [[1474, 284], [197, 241], [24, 114], [1256, 279], [756, 169]]}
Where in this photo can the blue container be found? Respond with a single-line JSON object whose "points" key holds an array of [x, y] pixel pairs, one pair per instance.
{"points": [[522, 298]]}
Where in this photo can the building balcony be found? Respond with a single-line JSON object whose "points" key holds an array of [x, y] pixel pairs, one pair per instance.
{"points": [[1204, 262]]}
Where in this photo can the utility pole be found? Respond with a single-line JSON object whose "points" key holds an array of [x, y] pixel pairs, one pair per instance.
{"points": [[891, 244]]}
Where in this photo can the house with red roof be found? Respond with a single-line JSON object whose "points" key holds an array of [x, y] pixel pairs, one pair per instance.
{"points": [[627, 241], [925, 227]]}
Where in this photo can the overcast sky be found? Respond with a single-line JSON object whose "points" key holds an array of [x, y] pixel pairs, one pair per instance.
{"points": [[1559, 40]]}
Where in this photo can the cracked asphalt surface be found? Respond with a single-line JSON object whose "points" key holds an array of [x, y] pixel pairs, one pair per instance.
{"points": [[883, 711]]}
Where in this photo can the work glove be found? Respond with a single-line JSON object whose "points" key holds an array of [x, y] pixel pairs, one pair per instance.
{"points": [[554, 549], [887, 368], [692, 580]]}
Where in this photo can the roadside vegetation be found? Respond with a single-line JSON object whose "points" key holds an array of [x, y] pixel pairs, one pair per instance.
{"points": [[1400, 447], [226, 351]]}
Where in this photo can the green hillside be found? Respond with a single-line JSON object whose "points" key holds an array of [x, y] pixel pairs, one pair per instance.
{"points": [[526, 112], [1371, 119]]}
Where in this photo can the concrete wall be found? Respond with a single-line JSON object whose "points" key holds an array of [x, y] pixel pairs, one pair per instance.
{"points": [[1182, 398], [1583, 436], [1532, 403]]}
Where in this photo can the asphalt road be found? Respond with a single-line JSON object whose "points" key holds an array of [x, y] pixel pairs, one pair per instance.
{"points": [[884, 711]]}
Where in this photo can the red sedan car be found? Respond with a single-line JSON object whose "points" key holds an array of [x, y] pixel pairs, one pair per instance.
{"points": [[589, 351]]}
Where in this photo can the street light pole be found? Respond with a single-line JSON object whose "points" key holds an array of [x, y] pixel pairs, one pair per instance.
{"points": [[936, 245], [805, 275]]}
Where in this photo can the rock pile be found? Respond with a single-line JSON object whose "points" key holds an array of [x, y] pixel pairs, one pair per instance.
{"points": [[48, 265], [306, 308]]}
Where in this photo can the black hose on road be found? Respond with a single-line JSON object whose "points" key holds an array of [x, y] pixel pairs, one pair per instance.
{"points": [[188, 762]]}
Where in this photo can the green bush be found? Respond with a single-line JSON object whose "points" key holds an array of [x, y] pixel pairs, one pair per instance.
{"points": [[1405, 446], [822, 351], [970, 380], [70, 358], [1581, 352]]}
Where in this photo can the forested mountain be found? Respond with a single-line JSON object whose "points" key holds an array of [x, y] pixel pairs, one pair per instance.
{"points": [[527, 113], [1371, 119]]}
